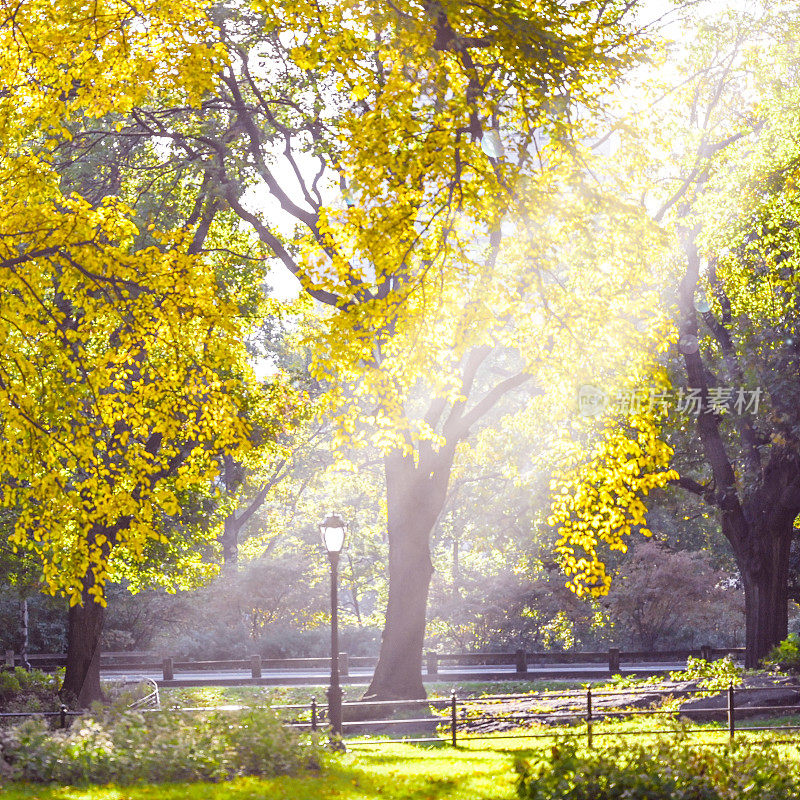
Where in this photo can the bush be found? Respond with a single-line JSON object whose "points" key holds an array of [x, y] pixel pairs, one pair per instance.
{"points": [[663, 771], [714, 676], [128, 747], [786, 654], [21, 690]]}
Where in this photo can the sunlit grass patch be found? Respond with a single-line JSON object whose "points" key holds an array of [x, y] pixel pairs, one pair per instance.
{"points": [[279, 695], [192, 696], [394, 772]]}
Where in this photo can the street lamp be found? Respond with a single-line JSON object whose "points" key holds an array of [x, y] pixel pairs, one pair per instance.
{"points": [[333, 530]]}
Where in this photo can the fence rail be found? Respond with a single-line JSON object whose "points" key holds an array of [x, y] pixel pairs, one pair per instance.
{"points": [[521, 660], [453, 719], [582, 721]]}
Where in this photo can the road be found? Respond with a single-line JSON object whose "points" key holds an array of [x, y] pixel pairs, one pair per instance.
{"points": [[295, 677]]}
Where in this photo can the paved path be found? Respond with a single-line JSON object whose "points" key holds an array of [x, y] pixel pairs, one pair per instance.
{"points": [[294, 677]]}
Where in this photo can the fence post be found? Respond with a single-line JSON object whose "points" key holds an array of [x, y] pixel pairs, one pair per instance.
{"points": [[522, 661], [313, 713], [255, 666], [63, 716], [168, 669], [613, 660], [453, 717], [344, 665], [9, 658], [731, 711], [705, 652], [432, 663], [589, 717]]}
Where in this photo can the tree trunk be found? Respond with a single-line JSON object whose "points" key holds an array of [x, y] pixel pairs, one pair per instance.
{"points": [[766, 590], [81, 685], [398, 675], [415, 496], [230, 541]]}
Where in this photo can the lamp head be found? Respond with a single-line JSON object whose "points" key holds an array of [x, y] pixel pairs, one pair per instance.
{"points": [[332, 530]]}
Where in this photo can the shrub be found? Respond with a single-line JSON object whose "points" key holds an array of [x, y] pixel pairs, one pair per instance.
{"points": [[715, 675], [21, 690], [786, 654], [127, 747], [663, 771]]}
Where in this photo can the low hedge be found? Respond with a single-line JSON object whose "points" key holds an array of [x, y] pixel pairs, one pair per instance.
{"points": [[110, 745], [662, 771]]}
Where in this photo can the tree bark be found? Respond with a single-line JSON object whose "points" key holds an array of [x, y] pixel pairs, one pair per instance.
{"points": [[234, 477], [416, 491], [415, 497], [24, 642], [81, 685], [765, 575], [757, 521], [230, 541]]}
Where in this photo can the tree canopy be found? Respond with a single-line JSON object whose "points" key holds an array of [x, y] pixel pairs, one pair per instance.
{"points": [[723, 425]]}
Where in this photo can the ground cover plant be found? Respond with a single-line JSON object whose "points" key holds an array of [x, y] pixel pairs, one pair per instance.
{"points": [[785, 655], [712, 675], [485, 770], [154, 747], [401, 772], [670, 770]]}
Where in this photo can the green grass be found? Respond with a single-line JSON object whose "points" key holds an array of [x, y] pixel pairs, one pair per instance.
{"points": [[477, 770], [480, 769], [403, 772], [279, 695]]}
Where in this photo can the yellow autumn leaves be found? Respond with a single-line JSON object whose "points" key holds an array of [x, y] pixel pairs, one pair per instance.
{"points": [[121, 369], [598, 499]]}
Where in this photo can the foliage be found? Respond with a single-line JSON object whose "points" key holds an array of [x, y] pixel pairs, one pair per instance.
{"points": [[715, 675], [46, 624], [129, 747], [502, 609], [714, 163], [662, 771], [599, 499], [28, 690], [380, 772], [436, 259], [275, 606], [122, 372], [786, 654]]}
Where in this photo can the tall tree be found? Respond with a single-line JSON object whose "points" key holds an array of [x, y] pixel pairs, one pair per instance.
{"points": [[122, 376], [444, 131], [726, 194]]}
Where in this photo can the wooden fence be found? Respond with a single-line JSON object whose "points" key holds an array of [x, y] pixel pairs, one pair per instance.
{"points": [[523, 662]]}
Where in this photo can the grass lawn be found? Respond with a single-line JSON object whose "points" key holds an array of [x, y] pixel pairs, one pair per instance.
{"points": [[478, 770], [387, 771], [267, 695]]}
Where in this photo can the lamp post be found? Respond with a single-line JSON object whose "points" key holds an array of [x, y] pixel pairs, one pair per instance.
{"points": [[333, 530]]}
